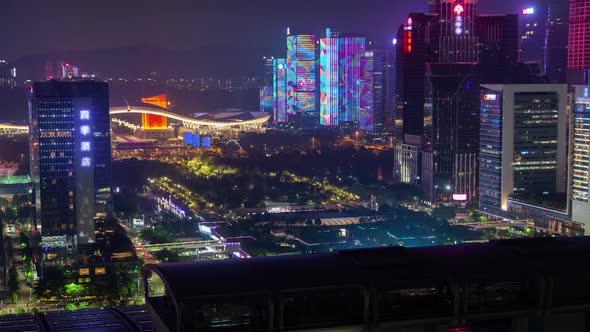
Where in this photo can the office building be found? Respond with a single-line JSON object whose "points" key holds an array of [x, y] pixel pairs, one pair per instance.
{"points": [[498, 38], [70, 152], [451, 131], [533, 36], [340, 57], [407, 164], [557, 41], [523, 144], [543, 37], [377, 91], [7, 75], [301, 77], [69, 71], [580, 157], [268, 70], [578, 54], [266, 99], [279, 90], [453, 36], [412, 55]]}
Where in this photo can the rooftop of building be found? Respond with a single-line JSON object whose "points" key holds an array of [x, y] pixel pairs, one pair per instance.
{"points": [[15, 179], [504, 258], [120, 319]]}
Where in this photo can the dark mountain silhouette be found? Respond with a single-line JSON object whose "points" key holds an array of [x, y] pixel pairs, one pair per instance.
{"points": [[141, 60]]}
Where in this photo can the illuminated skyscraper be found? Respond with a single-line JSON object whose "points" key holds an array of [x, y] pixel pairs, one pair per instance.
{"points": [[268, 69], [578, 55], [280, 90], [454, 36], [340, 73], [70, 161], [377, 91], [329, 81], [580, 159], [301, 78], [266, 99]]}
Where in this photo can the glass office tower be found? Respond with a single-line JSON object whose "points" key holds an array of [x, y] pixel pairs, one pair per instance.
{"points": [[70, 149]]}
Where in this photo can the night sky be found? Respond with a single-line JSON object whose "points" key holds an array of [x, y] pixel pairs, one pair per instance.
{"points": [[42, 26]]}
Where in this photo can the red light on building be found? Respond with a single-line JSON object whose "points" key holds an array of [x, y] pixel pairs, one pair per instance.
{"points": [[407, 46], [152, 121]]}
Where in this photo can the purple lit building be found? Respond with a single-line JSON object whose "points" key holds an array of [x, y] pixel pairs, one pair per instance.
{"points": [[340, 79]]}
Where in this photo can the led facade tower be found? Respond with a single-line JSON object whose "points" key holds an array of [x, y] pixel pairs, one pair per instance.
{"points": [[340, 74], [301, 76], [280, 90]]}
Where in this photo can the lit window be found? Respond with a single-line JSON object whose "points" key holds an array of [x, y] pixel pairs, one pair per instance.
{"points": [[85, 115], [85, 146], [85, 161], [85, 130], [100, 270]]}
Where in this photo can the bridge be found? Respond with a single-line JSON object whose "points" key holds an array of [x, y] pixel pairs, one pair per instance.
{"points": [[184, 245], [256, 121]]}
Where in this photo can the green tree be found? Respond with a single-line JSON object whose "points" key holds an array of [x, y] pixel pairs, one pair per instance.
{"points": [[443, 213], [167, 256], [13, 284], [52, 284]]}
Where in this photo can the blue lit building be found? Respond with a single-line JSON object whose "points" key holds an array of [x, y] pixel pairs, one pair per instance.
{"points": [[70, 148], [279, 90]]}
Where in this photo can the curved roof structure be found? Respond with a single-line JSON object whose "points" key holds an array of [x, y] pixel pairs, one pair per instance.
{"points": [[220, 120], [10, 126], [239, 119]]}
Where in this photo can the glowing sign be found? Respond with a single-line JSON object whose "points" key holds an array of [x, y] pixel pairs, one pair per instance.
{"points": [[85, 162], [460, 197], [85, 115], [205, 229], [85, 130], [409, 23], [85, 146], [528, 11], [458, 10], [394, 41], [490, 97]]}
